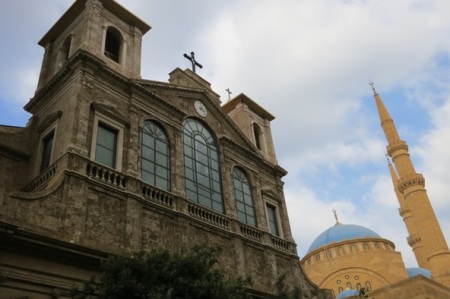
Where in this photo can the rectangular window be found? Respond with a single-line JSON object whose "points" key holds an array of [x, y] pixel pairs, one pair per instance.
{"points": [[106, 146], [47, 146], [272, 220]]}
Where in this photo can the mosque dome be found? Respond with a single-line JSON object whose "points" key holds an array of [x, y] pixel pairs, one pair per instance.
{"points": [[347, 293], [341, 232], [418, 271]]}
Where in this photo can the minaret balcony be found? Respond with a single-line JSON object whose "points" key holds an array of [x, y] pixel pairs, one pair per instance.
{"points": [[415, 180], [413, 240], [396, 146]]}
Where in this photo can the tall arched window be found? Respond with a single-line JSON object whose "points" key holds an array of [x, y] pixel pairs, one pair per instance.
{"points": [[64, 51], [243, 196], [113, 44], [155, 168], [257, 134], [201, 166], [353, 248]]}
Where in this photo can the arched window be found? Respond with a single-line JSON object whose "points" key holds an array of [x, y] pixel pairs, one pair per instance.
{"points": [[377, 246], [155, 168], [243, 196], [349, 285], [340, 289], [64, 51], [201, 166], [358, 286], [113, 44], [368, 286], [317, 257], [340, 251], [257, 134], [366, 246], [328, 254], [353, 248]]}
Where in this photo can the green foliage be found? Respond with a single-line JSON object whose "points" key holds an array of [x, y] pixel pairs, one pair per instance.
{"points": [[160, 274]]}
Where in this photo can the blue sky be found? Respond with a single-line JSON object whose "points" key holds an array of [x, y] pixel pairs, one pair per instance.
{"points": [[309, 63]]}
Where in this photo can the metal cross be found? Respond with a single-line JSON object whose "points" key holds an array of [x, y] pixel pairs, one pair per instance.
{"points": [[193, 61], [229, 92]]}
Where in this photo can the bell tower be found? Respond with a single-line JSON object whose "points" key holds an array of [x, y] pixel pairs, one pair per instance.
{"points": [[102, 28], [425, 234], [254, 121]]}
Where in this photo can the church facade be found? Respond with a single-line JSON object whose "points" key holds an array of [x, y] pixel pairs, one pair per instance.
{"points": [[354, 261], [111, 163]]}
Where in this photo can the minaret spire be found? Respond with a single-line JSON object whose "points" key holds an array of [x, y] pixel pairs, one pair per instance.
{"points": [[425, 234]]}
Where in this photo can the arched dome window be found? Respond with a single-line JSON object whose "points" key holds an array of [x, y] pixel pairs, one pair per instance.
{"points": [[366, 246], [340, 251]]}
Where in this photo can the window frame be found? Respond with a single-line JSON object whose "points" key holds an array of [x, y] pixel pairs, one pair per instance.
{"points": [[114, 125], [154, 162], [259, 137], [115, 32], [242, 202], [51, 130], [204, 188], [275, 208]]}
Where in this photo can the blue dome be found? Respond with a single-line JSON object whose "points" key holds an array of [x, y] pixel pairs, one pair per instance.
{"points": [[348, 293], [342, 232], [418, 271]]}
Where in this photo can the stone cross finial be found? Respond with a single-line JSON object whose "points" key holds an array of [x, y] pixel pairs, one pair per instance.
{"points": [[193, 61], [229, 92]]}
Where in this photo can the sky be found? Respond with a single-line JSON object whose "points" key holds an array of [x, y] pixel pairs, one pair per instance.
{"points": [[307, 62]]}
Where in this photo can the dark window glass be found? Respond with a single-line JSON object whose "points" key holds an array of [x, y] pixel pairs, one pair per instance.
{"points": [[272, 218], [155, 156], [47, 146], [112, 44], [257, 135], [201, 166], [243, 197], [105, 151]]}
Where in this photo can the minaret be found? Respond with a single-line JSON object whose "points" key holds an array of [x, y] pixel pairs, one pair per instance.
{"points": [[425, 234]]}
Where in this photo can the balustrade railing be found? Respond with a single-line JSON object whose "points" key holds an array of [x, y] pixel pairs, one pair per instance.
{"points": [[41, 179], [156, 195], [208, 216], [280, 244], [106, 175], [251, 232]]}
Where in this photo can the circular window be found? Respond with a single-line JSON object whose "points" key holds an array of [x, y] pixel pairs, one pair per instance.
{"points": [[356, 277], [346, 276], [338, 281]]}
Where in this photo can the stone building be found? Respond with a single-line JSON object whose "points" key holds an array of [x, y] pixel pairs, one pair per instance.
{"points": [[113, 163], [347, 258]]}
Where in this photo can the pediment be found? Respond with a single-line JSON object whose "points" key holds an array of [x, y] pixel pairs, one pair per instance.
{"points": [[110, 112]]}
